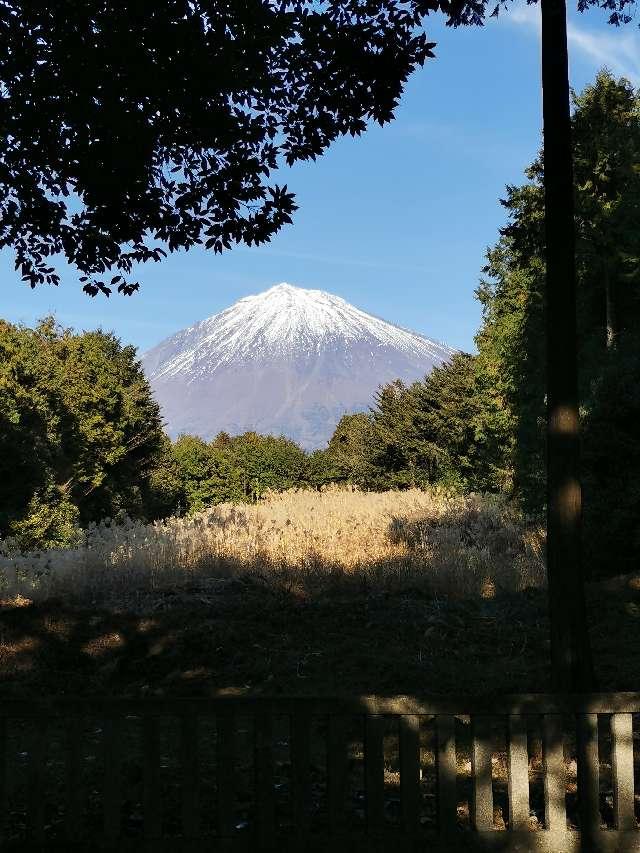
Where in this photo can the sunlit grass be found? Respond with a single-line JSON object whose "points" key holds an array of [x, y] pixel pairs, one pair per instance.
{"points": [[446, 543]]}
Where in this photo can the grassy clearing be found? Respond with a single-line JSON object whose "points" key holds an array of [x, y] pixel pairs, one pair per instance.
{"points": [[451, 545], [402, 592]]}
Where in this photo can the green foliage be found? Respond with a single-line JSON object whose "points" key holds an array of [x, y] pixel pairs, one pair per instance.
{"points": [[133, 130], [50, 520], [322, 469], [351, 450], [405, 450], [607, 176], [611, 461], [440, 430], [444, 429], [266, 463], [79, 431], [203, 484], [511, 355], [238, 470], [164, 494], [606, 135]]}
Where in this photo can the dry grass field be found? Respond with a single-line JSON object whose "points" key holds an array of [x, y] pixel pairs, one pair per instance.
{"points": [[309, 592], [448, 544]]}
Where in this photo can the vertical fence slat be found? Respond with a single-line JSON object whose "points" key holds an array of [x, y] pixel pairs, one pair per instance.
{"points": [[337, 773], [151, 777], [36, 781], [518, 773], [265, 800], [554, 774], [300, 724], [446, 768], [482, 800], [622, 771], [226, 772], [410, 771], [189, 768], [73, 813], [374, 772], [588, 772], [112, 790]]}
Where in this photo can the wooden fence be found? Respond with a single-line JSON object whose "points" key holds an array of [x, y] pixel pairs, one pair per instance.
{"points": [[301, 774]]}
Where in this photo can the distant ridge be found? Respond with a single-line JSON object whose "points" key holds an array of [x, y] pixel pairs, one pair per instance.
{"points": [[287, 361]]}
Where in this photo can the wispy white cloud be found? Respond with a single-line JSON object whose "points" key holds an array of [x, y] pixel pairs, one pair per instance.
{"points": [[617, 48], [524, 14]]}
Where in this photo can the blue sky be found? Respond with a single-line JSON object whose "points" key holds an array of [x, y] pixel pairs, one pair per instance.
{"points": [[396, 222]]}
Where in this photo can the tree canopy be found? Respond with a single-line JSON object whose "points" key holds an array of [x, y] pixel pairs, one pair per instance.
{"points": [[128, 129], [79, 431], [606, 135]]}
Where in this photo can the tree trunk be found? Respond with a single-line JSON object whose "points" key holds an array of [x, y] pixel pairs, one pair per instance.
{"points": [[570, 648], [610, 302]]}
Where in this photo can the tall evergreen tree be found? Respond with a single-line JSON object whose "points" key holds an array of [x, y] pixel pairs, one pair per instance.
{"points": [[352, 448], [79, 430], [606, 132]]}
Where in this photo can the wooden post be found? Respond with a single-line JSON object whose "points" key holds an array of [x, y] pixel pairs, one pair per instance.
{"points": [[337, 774], [112, 793], [622, 771], [3, 777], [447, 771], [264, 795], [570, 649], [410, 772], [555, 815], [482, 796], [226, 773], [374, 775], [36, 783], [588, 776], [518, 773], [190, 776], [300, 724]]}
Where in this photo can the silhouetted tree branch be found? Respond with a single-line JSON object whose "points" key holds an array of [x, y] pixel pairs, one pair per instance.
{"points": [[131, 130]]}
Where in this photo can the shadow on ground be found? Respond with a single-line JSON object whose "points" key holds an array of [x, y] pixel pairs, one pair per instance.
{"points": [[245, 633]]}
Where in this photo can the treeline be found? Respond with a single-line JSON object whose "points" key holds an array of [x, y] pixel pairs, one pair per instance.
{"points": [[413, 436], [606, 138], [79, 432], [81, 437], [441, 430], [479, 422]]}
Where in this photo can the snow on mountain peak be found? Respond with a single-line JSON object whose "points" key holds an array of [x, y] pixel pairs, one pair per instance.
{"points": [[283, 321], [287, 359]]}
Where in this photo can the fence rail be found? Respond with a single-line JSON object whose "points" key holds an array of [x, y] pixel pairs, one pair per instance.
{"points": [[328, 774]]}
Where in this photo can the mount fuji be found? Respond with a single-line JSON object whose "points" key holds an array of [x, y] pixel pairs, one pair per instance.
{"points": [[287, 361]]}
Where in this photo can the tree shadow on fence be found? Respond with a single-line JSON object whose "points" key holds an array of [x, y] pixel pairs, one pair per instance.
{"points": [[336, 773]]}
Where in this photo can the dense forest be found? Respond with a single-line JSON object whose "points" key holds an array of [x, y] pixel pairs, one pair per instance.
{"points": [[81, 438]]}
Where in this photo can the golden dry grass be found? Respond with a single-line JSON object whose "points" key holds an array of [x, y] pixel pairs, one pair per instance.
{"points": [[462, 545]]}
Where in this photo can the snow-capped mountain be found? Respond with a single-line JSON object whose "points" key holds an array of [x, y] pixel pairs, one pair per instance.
{"points": [[287, 361]]}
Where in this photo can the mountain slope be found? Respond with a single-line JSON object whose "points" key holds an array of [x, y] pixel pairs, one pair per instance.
{"points": [[287, 361]]}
